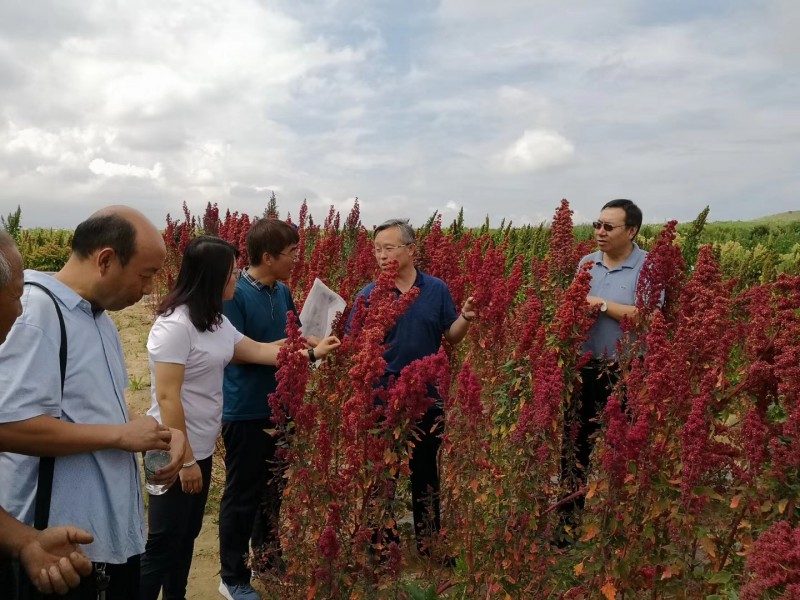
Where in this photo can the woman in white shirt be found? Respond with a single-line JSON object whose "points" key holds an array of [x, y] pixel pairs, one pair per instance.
{"points": [[189, 346]]}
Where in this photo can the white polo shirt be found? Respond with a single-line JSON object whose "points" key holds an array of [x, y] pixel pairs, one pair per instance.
{"points": [[174, 339]]}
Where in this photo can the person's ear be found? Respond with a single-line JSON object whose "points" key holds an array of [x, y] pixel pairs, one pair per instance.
{"points": [[104, 259]]}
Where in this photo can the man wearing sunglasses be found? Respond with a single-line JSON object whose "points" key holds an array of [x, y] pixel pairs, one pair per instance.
{"points": [[615, 270]]}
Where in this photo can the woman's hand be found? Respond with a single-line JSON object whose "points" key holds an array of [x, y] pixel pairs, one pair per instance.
{"points": [[191, 479], [177, 448], [326, 345]]}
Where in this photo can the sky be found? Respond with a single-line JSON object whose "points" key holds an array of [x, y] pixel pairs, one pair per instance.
{"points": [[502, 107]]}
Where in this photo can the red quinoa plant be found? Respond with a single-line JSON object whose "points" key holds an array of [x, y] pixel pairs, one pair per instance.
{"points": [[693, 488]]}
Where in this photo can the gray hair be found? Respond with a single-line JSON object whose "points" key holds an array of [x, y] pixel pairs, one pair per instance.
{"points": [[406, 231], [7, 246]]}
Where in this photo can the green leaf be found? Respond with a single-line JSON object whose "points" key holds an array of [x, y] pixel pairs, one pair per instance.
{"points": [[417, 593], [720, 577]]}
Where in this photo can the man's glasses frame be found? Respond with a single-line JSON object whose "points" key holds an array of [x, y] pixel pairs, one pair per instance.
{"points": [[390, 249], [607, 226]]}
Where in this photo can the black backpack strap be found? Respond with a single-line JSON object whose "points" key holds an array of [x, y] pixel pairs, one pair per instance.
{"points": [[44, 488]]}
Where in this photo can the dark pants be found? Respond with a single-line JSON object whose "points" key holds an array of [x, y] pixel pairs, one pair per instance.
{"points": [[174, 522], [425, 476], [424, 466], [251, 501], [123, 584], [598, 380]]}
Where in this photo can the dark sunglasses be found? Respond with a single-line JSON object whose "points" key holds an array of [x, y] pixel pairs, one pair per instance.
{"points": [[606, 226]]}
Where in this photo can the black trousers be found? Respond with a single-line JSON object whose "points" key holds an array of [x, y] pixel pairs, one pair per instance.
{"points": [[598, 379], [251, 502], [174, 522], [123, 584], [424, 466]]}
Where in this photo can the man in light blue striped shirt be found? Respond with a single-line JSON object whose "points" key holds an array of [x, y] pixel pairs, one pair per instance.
{"points": [[96, 486]]}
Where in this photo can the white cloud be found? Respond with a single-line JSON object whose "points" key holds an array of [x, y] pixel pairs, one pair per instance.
{"points": [[109, 169], [409, 106], [537, 150]]}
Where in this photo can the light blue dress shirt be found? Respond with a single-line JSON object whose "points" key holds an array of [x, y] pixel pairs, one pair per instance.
{"points": [[98, 491], [613, 285]]}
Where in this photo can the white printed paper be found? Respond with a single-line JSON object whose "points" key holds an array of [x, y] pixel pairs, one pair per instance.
{"points": [[319, 310]]}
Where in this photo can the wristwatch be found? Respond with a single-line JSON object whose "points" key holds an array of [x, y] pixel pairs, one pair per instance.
{"points": [[603, 306]]}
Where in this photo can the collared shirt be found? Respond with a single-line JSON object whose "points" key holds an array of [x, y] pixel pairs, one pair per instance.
{"points": [[98, 491], [613, 285], [259, 312], [418, 332]]}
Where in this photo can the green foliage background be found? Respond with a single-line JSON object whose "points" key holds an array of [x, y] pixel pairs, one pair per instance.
{"points": [[749, 251]]}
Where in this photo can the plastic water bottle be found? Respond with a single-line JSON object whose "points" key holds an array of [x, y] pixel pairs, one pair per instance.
{"points": [[153, 461]]}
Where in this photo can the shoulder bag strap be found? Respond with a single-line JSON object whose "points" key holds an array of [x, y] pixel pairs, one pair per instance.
{"points": [[44, 488]]}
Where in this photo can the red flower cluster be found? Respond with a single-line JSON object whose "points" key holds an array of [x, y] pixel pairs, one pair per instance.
{"points": [[538, 418], [617, 451], [361, 265], [442, 257], [328, 544], [211, 219], [563, 255], [300, 267], [573, 319], [662, 273], [408, 398], [287, 401], [774, 564], [468, 401]]}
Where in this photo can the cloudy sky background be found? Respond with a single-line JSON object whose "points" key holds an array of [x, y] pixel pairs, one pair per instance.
{"points": [[502, 107]]}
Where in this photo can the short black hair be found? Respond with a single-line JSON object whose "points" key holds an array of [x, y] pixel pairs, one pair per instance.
{"points": [[272, 236], [633, 214], [108, 230], [205, 270]]}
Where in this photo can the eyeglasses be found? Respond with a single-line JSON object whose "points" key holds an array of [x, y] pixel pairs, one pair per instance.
{"points": [[389, 249], [606, 226], [290, 253]]}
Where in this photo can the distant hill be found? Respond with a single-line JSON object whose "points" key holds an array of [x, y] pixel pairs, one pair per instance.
{"points": [[784, 217], [790, 216]]}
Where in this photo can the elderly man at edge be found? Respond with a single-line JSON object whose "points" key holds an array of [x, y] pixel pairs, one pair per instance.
{"points": [[96, 486], [51, 558]]}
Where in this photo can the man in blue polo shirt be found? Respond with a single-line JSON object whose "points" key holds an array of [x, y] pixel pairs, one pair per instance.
{"points": [[615, 270], [418, 333], [251, 501]]}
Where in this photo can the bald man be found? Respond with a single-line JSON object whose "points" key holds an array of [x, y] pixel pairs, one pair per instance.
{"points": [[95, 485]]}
